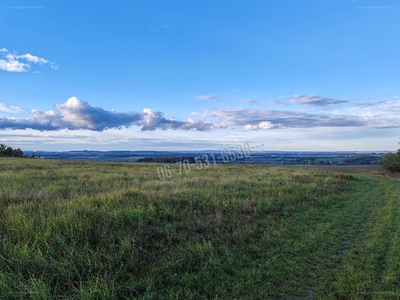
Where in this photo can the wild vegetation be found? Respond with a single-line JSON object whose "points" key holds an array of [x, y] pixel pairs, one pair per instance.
{"points": [[391, 161], [85, 230]]}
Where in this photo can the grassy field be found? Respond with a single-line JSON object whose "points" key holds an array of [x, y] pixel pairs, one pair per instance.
{"points": [[84, 230]]}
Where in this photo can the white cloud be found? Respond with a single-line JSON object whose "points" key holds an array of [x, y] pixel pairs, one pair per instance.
{"points": [[10, 109], [248, 101], [13, 66], [12, 62], [378, 113], [261, 125], [207, 97], [32, 58], [310, 100]]}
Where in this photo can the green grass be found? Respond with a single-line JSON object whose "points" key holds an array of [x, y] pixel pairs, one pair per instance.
{"points": [[85, 230]]}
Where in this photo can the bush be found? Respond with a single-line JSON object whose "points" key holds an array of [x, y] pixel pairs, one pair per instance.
{"points": [[391, 162]]}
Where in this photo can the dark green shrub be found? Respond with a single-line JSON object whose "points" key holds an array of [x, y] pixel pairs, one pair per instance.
{"points": [[391, 162]]}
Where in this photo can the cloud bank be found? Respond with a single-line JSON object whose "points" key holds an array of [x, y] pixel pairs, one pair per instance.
{"points": [[285, 119], [377, 114], [76, 114]]}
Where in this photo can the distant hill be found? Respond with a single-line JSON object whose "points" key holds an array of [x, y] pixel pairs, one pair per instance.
{"points": [[221, 156]]}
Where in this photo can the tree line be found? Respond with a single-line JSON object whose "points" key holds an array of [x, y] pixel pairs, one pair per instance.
{"points": [[11, 152]]}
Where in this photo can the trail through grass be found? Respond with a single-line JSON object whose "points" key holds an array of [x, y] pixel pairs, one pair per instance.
{"points": [[113, 231]]}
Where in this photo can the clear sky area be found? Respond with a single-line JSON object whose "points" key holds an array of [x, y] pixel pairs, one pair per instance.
{"points": [[193, 75]]}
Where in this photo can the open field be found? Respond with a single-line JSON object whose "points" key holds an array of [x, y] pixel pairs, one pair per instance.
{"points": [[85, 230]]}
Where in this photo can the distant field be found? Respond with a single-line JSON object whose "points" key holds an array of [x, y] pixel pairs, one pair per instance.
{"points": [[348, 169], [88, 230]]}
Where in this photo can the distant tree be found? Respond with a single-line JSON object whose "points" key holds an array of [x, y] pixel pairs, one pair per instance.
{"points": [[8, 151], [18, 153], [2, 149], [391, 162]]}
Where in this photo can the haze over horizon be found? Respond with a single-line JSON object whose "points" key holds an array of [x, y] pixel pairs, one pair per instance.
{"points": [[184, 75]]}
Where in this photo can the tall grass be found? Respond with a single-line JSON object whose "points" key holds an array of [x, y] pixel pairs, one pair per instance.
{"points": [[85, 230]]}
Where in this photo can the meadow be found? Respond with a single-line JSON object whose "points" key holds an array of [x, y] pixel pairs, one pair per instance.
{"points": [[87, 230]]}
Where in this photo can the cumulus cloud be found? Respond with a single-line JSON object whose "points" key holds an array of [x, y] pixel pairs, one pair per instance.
{"points": [[10, 109], [207, 97], [13, 62], [261, 125], [76, 114], [315, 100]]}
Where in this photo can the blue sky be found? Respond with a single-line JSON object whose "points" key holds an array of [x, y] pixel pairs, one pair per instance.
{"points": [[192, 75]]}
